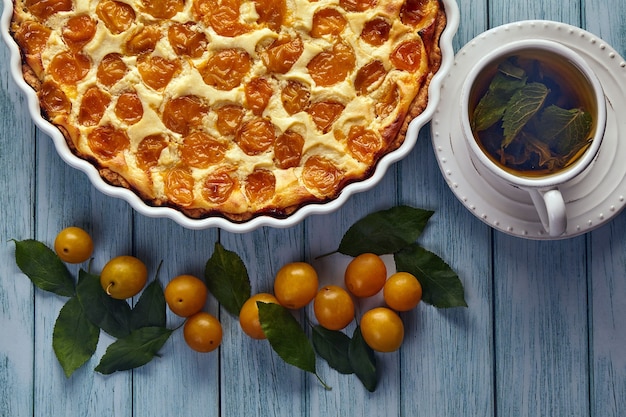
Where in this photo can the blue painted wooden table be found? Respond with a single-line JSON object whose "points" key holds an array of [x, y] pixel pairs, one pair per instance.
{"points": [[544, 333]]}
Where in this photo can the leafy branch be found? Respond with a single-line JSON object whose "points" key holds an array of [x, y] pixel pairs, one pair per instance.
{"points": [[393, 231], [140, 331]]}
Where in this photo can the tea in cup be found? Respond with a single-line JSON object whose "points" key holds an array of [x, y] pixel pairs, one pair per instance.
{"points": [[533, 114]]}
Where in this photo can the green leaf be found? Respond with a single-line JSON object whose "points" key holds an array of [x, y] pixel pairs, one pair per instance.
{"points": [[286, 336], [512, 72], [44, 268], [74, 338], [441, 286], [565, 130], [111, 315], [385, 231], [522, 107], [134, 350], [363, 361], [333, 346], [489, 111], [493, 104], [227, 279], [150, 310]]}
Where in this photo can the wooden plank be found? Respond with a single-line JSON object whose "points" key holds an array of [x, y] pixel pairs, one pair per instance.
{"points": [[17, 162], [65, 197], [178, 368], [607, 312], [501, 12], [253, 379], [323, 234], [450, 355], [607, 280], [540, 296], [541, 327]]}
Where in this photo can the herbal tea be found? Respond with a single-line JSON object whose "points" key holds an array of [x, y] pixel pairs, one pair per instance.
{"points": [[532, 113]]}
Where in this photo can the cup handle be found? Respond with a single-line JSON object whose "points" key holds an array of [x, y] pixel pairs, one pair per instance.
{"points": [[551, 209]]}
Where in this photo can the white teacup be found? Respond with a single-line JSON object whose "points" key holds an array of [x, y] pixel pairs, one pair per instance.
{"points": [[543, 189]]}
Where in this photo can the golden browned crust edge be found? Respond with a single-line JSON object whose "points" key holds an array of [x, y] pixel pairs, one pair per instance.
{"points": [[420, 101]]}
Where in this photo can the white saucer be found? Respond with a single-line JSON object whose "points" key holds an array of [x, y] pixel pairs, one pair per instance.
{"points": [[591, 200]]}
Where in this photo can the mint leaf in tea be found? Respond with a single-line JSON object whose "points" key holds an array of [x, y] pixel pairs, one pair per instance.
{"points": [[491, 107], [532, 116]]}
